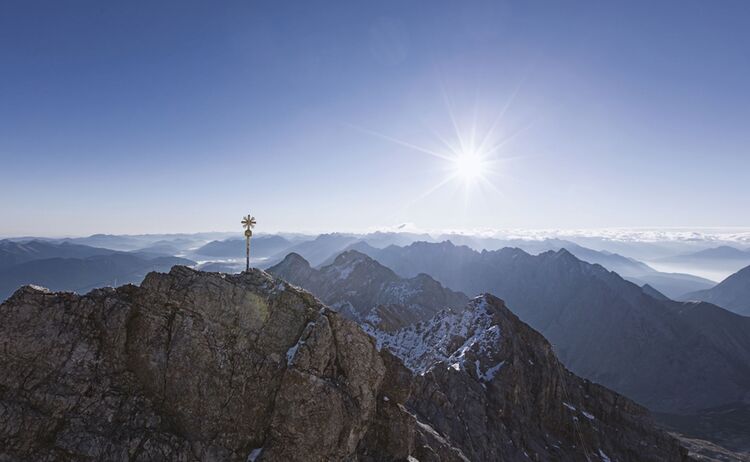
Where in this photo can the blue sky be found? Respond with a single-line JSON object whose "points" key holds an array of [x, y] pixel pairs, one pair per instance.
{"points": [[129, 117]]}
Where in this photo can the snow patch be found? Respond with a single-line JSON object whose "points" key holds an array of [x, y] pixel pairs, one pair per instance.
{"points": [[490, 373], [570, 406], [345, 270], [604, 456], [254, 454], [292, 351], [402, 291], [423, 345]]}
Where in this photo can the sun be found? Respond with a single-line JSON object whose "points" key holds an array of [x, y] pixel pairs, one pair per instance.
{"points": [[469, 166], [475, 156]]}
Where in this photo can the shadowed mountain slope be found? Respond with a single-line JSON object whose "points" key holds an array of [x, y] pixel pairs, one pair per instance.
{"points": [[83, 274], [670, 356], [733, 293]]}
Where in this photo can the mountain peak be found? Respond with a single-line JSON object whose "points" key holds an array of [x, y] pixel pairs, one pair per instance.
{"points": [[28, 290], [352, 262], [293, 258], [560, 255], [565, 253], [351, 256]]}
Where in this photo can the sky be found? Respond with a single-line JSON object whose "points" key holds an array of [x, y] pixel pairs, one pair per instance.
{"points": [[152, 117]]}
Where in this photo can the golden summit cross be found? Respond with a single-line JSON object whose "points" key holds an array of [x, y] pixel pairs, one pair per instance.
{"points": [[248, 223]]}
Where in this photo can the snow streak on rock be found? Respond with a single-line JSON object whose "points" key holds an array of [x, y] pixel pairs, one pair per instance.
{"points": [[450, 337]]}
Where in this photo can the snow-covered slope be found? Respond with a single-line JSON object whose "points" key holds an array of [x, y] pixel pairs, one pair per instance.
{"points": [[462, 339]]}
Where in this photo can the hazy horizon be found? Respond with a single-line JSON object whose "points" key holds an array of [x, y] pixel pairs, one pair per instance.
{"points": [[636, 234]]}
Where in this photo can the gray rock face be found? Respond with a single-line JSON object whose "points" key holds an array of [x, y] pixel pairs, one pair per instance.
{"points": [[204, 366], [190, 365], [363, 290]]}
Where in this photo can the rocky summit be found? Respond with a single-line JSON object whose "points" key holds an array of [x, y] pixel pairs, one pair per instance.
{"points": [[212, 367]]}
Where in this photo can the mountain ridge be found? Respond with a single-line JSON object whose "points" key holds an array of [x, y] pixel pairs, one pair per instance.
{"points": [[599, 322], [84, 274], [362, 289], [247, 367], [733, 293]]}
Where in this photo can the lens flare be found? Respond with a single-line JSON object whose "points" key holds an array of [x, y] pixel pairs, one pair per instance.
{"points": [[475, 155]]}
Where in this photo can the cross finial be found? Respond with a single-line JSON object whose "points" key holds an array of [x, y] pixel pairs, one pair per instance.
{"points": [[248, 223]]}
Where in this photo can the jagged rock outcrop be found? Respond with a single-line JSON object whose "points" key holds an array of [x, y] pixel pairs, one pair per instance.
{"points": [[188, 366], [363, 290], [493, 387], [205, 366]]}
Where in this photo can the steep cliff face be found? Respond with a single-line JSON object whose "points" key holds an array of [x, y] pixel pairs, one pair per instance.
{"points": [[204, 366], [190, 365], [493, 387]]}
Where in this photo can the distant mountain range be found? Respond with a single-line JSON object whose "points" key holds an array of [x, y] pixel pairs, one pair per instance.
{"points": [[364, 290], [74, 267], [130, 242], [718, 262], [261, 246], [723, 252], [267, 250], [13, 253], [670, 284], [320, 249], [670, 356], [733, 293], [228, 249]]}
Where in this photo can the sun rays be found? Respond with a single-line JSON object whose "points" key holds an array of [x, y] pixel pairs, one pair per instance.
{"points": [[471, 156]]}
